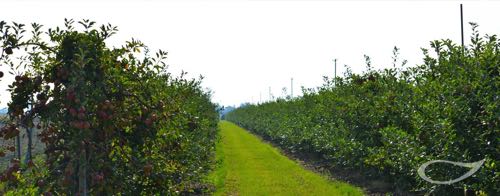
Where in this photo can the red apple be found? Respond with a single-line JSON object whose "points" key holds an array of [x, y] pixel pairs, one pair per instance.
{"points": [[86, 125], [73, 112], [107, 103], [81, 110], [81, 116], [148, 122], [102, 115], [154, 117], [40, 183], [70, 95], [30, 163]]}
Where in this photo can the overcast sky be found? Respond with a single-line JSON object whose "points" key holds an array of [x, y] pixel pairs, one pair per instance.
{"points": [[244, 47]]}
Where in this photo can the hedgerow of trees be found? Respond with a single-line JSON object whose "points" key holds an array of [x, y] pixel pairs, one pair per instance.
{"points": [[113, 120], [389, 122]]}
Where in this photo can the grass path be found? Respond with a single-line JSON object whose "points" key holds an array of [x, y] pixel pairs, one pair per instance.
{"points": [[249, 166]]}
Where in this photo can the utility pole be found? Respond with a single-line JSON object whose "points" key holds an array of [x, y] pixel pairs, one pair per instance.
{"points": [[291, 88], [335, 73], [462, 25], [260, 97]]}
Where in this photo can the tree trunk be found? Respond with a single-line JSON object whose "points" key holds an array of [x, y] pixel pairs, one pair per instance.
{"points": [[28, 157], [18, 148], [82, 176]]}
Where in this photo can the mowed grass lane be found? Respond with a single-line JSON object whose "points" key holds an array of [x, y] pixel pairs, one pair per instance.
{"points": [[252, 167]]}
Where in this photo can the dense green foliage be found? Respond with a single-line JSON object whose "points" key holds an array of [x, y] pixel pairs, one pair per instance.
{"points": [[388, 122], [113, 121]]}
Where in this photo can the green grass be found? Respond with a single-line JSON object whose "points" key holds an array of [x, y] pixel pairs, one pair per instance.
{"points": [[249, 166]]}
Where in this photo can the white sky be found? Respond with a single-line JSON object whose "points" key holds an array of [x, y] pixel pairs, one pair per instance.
{"points": [[244, 47]]}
